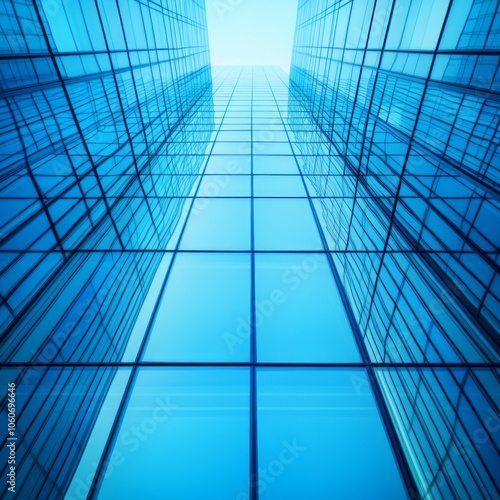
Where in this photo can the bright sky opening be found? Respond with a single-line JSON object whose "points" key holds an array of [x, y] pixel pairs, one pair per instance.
{"points": [[251, 32]]}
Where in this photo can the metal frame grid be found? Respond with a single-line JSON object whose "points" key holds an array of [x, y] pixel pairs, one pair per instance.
{"points": [[408, 175], [134, 205]]}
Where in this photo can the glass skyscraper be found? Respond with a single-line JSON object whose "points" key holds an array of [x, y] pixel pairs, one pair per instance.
{"points": [[395, 107], [234, 283]]}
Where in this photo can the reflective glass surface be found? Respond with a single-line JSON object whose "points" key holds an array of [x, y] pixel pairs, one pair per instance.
{"points": [[189, 429], [234, 283], [394, 107], [299, 312], [192, 322], [311, 417]]}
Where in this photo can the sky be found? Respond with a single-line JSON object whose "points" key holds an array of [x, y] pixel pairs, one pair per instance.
{"points": [[251, 32]]}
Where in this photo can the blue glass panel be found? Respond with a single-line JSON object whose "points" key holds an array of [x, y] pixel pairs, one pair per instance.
{"points": [[225, 185], [218, 224], [206, 298], [147, 310], [231, 148], [448, 422], [55, 411], [82, 480], [285, 225], [274, 165], [318, 431], [271, 148], [279, 186], [184, 435], [300, 316]]}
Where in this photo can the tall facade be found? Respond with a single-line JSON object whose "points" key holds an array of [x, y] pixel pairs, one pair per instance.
{"points": [[397, 107], [105, 114], [229, 283]]}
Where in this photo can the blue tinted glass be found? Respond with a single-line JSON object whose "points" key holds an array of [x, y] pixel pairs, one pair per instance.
{"points": [[285, 225], [274, 165], [271, 148], [57, 423], [235, 136], [299, 313], [187, 432], [231, 148], [147, 309], [279, 186], [269, 136], [318, 431], [153, 214], [218, 224], [84, 474], [206, 297], [422, 402], [228, 164], [224, 185]]}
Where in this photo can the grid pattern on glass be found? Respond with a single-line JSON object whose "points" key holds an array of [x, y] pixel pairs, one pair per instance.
{"points": [[98, 152], [97, 160], [238, 300], [236, 270], [227, 303], [394, 106]]}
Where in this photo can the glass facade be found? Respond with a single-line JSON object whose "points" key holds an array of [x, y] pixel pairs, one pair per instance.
{"points": [[395, 107], [231, 283]]}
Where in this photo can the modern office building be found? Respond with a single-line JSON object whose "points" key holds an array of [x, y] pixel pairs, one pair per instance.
{"points": [[231, 283], [396, 108]]}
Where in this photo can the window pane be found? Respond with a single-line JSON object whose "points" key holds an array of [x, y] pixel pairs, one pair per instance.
{"points": [[299, 313], [224, 185], [56, 410], [447, 416], [206, 297], [184, 435], [279, 186], [274, 165], [227, 164], [320, 436], [285, 225], [218, 225]]}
